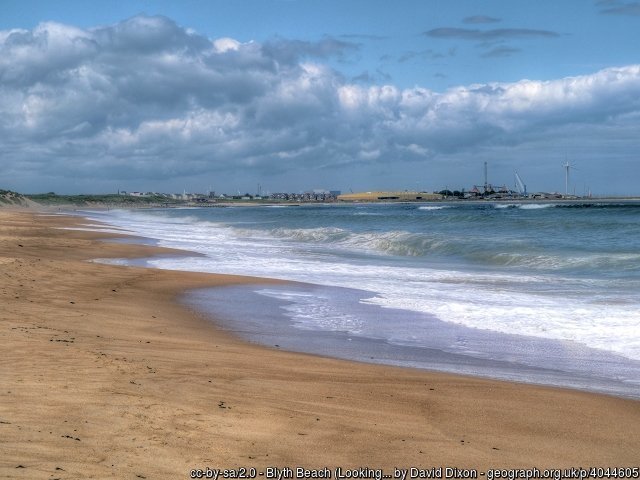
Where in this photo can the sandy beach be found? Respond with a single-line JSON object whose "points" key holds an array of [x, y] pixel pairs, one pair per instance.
{"points": [[103, 374]]}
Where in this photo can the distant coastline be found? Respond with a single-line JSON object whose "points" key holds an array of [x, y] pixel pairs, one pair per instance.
{"points": [[100, 201]]}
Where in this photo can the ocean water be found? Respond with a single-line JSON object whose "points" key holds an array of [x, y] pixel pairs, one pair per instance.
{"points": [[503, 290]]}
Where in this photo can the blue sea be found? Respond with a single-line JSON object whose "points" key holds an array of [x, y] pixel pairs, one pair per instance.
{"points": [[534, 292]]}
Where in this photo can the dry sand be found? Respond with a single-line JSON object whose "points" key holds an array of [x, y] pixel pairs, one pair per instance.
{"points": [[104, 375]]}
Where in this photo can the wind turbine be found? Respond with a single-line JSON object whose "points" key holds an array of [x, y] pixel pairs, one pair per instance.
{"points": [[567, 166]]}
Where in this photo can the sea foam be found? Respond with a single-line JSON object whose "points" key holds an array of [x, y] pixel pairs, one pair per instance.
{"points": [[514, 271]]}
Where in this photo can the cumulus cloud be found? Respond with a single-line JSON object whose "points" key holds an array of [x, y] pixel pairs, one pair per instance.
{"points": [[148, 99], [293, 50], [485, 35], [492, 41]]}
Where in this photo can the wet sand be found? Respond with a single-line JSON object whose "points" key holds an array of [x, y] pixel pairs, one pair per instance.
{"points": [[103, 374]]}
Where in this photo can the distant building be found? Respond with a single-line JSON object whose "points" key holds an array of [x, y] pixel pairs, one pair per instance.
{"points": [[314, 196]]}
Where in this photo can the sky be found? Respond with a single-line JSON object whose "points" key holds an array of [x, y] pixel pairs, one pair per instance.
{"points": [[294, 95]]}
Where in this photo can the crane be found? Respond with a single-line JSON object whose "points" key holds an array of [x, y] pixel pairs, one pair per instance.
{"points": [[522, 188]]}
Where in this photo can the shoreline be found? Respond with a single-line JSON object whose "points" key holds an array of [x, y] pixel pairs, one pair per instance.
{"points": [[262, 320], [449, 347], [106, 374], [103, 205]]}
